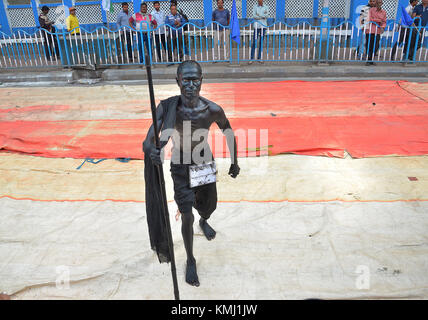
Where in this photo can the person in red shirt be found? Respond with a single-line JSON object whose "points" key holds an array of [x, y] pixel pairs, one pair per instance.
{"points": [[376, 28], [143, 22]]}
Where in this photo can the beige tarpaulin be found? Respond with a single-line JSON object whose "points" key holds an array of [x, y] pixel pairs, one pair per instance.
{"points": [[285, 177], [360, 247], [288, 227], [262, 251]]}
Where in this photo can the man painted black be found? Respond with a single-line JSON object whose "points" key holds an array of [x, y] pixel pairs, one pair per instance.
{"points": [[180, 117]]}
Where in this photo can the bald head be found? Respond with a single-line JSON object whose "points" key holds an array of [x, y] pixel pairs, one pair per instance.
{"points": [[189, 65], [189, 79]]}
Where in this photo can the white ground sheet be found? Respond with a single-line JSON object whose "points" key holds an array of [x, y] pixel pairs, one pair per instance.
{"points": [[283, 250]]}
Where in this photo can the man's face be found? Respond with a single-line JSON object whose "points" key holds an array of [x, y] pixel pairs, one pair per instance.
{"points": [[125, 8], [425, 3], [157, 6], [220, 4], [174, 10], [190, 81], [143, 8], [379, 3], [45, 11], [260, 2]]}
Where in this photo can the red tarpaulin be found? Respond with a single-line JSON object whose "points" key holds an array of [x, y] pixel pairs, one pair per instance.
{"points": [[365, 118]]}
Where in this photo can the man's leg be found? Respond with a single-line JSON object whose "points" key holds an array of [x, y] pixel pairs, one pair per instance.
{"points": [[55, 42], [401, 36], [128, 36], [253, 45], [227, 39], [140, 46], [169, 46], [260, 33], [158, 49], [205, 204], [174, 46], [46, 45], [184, 196], [369, 46], [163, 41], [222, 44], [377, 43], [216, 44], [147, 45], [187, 220], [180, 46]]}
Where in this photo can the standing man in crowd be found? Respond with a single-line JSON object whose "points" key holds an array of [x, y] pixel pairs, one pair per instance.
{"points": [[123, 25], [421, 11], [374, 31], [221, 35], [185, 27], [72, 22], [143, 22], [364, 23], [414, 37], [49, 39], [175, 20], [160, 35], [260, 14], [403, 31]]}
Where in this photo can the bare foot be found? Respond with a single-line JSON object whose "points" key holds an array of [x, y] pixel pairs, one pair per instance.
{"points": [[206, 229], [191, 275]]}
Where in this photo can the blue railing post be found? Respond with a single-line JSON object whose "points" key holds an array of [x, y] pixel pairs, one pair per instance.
{"points": [[280, 10], [323, 47], [136, 4], [68, 3], [315, 8], [104, 16], [64, 36], [244, 9], [35, 12], [208, 11], [4, 22]]}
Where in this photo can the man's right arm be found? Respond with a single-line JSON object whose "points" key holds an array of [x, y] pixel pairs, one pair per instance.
{"points": [[149, 147]]}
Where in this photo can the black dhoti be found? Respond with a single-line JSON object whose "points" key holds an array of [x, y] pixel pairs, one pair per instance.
{"points": [[202, 198]]}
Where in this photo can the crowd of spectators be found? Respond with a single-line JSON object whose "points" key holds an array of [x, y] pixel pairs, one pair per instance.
{"points": [[171, 44]]}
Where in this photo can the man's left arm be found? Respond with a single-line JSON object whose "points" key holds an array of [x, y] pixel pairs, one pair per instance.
{"points": [[224, 124]]}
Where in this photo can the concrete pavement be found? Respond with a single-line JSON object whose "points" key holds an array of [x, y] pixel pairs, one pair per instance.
{"points": [[223, 72]]}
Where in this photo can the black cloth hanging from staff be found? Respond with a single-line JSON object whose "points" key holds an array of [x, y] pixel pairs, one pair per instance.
{"points": [[155, 217]]}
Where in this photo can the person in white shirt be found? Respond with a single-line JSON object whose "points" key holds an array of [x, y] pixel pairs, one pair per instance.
{"points": [[364, 23], [411, 6], [160, 34], [260, 14]]}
